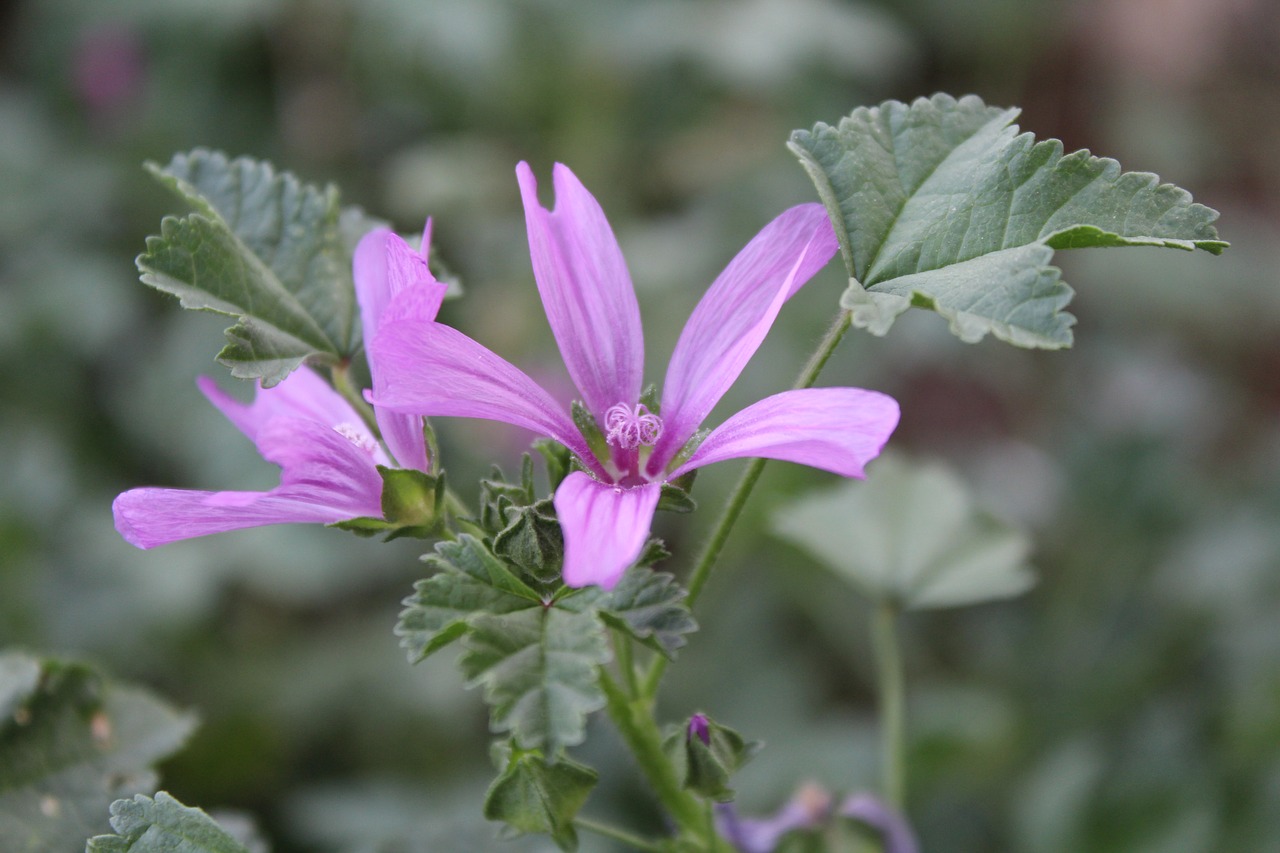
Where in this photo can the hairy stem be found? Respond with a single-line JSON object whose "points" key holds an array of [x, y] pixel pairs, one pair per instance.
{"points": [[738, 497], [634, 721], [892, 699]]}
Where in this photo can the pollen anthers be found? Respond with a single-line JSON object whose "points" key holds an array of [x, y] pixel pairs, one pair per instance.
{"points": [[631, 426], [354, 435]]}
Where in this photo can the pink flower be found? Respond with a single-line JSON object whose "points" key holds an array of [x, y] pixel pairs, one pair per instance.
{"points": [[426, 368], [328, 457]]}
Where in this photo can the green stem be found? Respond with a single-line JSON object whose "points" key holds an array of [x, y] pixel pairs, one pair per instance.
{"points": [[340, 373], [632, 841], [738, 497], [626, 663], [634, 721], [892, 697]]}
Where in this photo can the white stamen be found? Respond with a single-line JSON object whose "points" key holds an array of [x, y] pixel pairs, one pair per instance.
{"points": [[631, 427], [358, 437]]}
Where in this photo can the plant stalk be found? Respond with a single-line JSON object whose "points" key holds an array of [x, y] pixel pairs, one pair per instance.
{"points": [[633, 842], [738, 497], [634, 721], [892, 699]]}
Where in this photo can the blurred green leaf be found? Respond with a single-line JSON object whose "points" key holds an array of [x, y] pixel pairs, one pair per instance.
{"points": [[265, 248], [72, 743], [650, 607], [162, 825], [910, 534], [538, 668], [942, 204], [469, 581], [532, 796]]}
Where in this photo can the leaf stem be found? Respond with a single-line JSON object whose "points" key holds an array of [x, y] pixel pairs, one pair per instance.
{"points": [[892, 699], [634, 720], [632, 841], [738, 497]]}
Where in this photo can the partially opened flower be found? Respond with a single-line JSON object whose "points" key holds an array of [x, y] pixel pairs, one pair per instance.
{"points": [[328, 457], [426, 368]]}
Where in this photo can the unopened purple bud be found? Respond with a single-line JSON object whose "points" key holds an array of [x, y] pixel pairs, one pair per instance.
{"points": [[699, 725]]}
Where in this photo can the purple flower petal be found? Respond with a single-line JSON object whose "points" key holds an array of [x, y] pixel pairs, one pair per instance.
{"points": [[431, 369], [733, 317], [892, 826], [385, 266], [326, 477], [809, 808], [302, 394], [605, 527], [586, 291], [835, 429]]}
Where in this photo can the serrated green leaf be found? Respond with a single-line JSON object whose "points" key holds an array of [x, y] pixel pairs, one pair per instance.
{"points": [[72, 743], [533, 796], [162, 825], [942, 204], [911, 534], [650, 607], [469, 581], [265, 248], [538, 669]]}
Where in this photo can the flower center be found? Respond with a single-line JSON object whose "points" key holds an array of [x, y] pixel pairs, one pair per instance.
{"points": [[354, 435], [629, 427]]}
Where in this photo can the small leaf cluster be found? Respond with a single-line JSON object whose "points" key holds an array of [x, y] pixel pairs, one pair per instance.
{"points": [[533, 645]]}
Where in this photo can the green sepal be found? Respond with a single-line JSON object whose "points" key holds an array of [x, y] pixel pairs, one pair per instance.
{"points": [[558, 458], [533, 796], [469, 581], [706, 767], [532, 541], [649, 606], [694, 442], [162, 825], [586, 424], [675, 495], [650, 399], [411, 506], [498, 497]]}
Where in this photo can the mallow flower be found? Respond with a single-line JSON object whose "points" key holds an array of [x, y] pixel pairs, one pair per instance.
{"points": [[427, 368], [327, 455]]}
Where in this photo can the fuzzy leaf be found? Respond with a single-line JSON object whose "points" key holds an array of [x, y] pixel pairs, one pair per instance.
{"points": [[650, 607], [71, 744], [910, 534], [942, 204], [469, 581], [533, 796], [265, 248], [538, 668], [162, 825]]}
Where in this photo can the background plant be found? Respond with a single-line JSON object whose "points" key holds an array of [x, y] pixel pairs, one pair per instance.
{"points": [[1143, 461]]}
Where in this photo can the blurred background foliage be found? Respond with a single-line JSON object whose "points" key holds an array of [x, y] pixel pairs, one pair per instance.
{"points": [[1130, 702]]}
